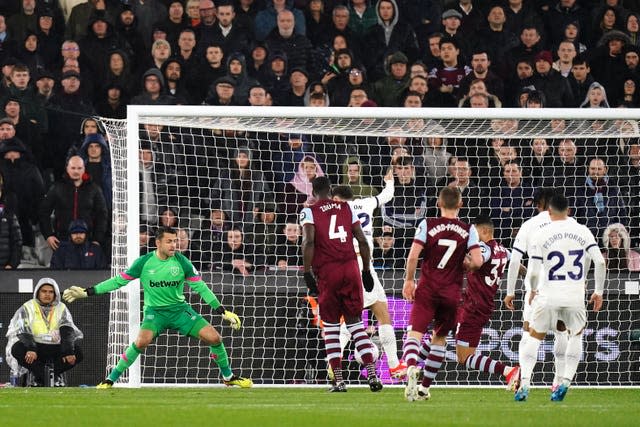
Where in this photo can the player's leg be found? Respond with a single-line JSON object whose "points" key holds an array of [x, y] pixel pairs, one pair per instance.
{"points": [[575, 319], [148, 331], [388, 338], [560, 342], [209, 335], [526, 318], [468, 335]]}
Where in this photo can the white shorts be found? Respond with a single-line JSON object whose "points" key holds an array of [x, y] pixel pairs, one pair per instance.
{"points": [[526, 308], [545, 316], [377, 293]]}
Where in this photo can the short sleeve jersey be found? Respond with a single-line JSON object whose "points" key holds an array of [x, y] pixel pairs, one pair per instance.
{"points": [[162, 280], [483, 283], [333, 236], [562, 247], [363, 209], [446, 242]]}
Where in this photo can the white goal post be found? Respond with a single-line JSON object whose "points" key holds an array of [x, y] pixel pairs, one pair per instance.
{"points": [[193, 170]]}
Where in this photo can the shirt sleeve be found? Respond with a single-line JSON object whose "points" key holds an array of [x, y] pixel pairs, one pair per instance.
{"points": [[354, 216], [122, 279], [485, 250], [474, 239], [195, 282], [306, 216], [421, 233], [520, 242]]}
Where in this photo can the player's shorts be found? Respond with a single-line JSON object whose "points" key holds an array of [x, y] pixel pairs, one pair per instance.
{"points": [[545, 316], [470, 325], [340, 286], [180, 317], [526, 307], [377, 293], [439, 308]]}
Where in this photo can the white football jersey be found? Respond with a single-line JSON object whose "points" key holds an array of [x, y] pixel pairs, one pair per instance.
{"points": [[562, 248], [363, 209]]}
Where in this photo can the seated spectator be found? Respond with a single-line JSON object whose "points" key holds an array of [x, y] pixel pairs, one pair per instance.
{"points": [[298, 192], [596, 97], [34, 342], [288, 243], [617, 251], [232, 255], [598, 202], [385, 256], [221, 92], [78, 253], [263, 232], [538, 162]]}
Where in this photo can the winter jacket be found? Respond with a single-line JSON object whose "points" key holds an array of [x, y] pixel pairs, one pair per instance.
{"points": [[267, 19], [10, 238], [69, 256]]}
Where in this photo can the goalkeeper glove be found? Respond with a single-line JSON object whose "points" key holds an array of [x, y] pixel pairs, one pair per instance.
{"points": [[367, 280], [232, 318], [76, 293], [310, 281]]}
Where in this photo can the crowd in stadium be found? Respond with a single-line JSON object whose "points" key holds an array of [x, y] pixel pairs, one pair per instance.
{"points": [[64, 62]]}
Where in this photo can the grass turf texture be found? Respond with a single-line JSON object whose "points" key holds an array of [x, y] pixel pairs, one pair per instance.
{"points": [[310, 407]]}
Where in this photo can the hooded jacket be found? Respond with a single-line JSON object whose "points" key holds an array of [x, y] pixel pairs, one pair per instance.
{"points": [[243, 82], [145, 99], [360, 189], [105, 161], [10, 235]]}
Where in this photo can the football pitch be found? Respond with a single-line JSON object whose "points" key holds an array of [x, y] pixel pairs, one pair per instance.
{"points": [[308, 407]]}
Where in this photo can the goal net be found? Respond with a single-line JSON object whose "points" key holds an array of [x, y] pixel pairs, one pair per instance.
{"points": [[232, 180]]}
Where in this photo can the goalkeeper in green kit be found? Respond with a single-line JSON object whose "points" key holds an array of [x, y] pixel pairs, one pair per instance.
{"points": [[163, 274]]}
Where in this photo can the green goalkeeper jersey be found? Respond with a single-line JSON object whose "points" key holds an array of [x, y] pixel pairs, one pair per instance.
{"points": [[162, 280]]}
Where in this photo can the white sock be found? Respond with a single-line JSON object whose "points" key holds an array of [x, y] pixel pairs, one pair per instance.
{"points": [[528, 358], [560, 342], [573, 355], [345, 336], [389, 344]]}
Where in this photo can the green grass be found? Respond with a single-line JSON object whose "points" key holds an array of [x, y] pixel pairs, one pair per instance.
{"points": [[308, 407]]}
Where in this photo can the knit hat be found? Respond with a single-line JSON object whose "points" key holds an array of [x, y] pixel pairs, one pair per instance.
{"points": [[544, 55], [78, 226]]}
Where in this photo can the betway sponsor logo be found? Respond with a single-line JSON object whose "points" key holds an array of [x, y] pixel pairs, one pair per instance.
{"points": [[164, 283]]}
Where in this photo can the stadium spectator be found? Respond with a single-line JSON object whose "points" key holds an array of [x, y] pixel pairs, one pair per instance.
{"points": [[556, 88], [385, 255], [176, 21], [211, 232], [74, 197], [97, 159], [10, 235], [76, 26], [478, 96], [632, 60], [246, 11], [580, 79], [22, 91], [33, 342], [538, 161], [596, 97], [617, 250], [283, 38], [210, 69], [237, 69], [391, 34], [597, 201], [436, 154], [530, 44], [232, 255], [176, 79], [605, 19], [445, 80], [25, 21], [511, 201], [222, 91], [473, 196], [353, 175], [607, 61], [28, 132], [496, 39], [160, 52], [120, 72], [564, 12], [148, 13], [113, 102], [232, 37], [362, 17], [22, 179], [298, 191], [266, 20], [153, 90], [184, 242], [263, 232], [146, 239], [480, 70], [126, 26], [207, 25], [186, 51], [388, 90], [168, 217], [288, 254], [566, 54], [77, 253], [28, 53]]}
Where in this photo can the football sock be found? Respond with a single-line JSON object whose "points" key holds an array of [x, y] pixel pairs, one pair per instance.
{"points": [[528, 358], [433, 364], [219, 355], [560, 342], [332, 348], [362, 342], [484, 364], [389, 344], [410, 349], [574, 353], [425, 349], [126, 359], [345, 336]]}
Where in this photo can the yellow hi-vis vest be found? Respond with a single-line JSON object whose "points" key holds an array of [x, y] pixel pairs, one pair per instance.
{"points": [[45, 330]]}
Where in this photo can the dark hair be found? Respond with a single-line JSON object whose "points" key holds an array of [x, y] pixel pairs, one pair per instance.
{"points": [[162, 230], [450, 40], [321, 185], [542, 196], [450, 197], [483, 220], [579, 60], [559, 202], [342, 191]]}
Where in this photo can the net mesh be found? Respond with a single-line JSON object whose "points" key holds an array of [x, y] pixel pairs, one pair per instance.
{"points": [[234, 185]]}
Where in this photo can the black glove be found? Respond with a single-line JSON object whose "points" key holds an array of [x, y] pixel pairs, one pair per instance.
{"points": [[367, 280], [311, 284]]}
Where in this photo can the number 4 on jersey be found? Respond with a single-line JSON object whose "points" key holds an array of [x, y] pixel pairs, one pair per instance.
{"points": [[338, 233]]}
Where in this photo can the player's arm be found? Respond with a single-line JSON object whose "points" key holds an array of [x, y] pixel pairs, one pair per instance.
{"points": [[109, 285], [389, 188], [474, 250], [600, 275], [512, 277]]}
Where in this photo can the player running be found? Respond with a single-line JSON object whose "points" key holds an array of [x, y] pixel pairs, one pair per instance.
{"points": [[521, 246], [163, 274], [445, 242], [328, 230], [558, 269], [376, 299]]}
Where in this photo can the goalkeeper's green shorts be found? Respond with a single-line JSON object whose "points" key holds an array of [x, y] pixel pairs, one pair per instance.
{"points": [[181, 317]]}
